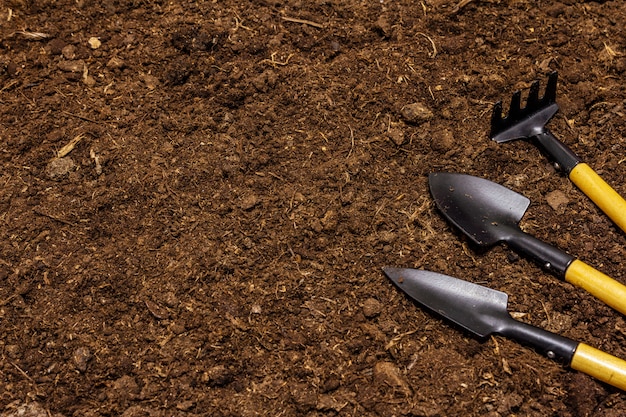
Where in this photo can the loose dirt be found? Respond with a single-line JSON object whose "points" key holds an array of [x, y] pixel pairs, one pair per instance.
{"points": [[197, 199]]}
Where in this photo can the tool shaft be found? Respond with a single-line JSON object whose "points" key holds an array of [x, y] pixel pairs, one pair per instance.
{"points": [[600, 365], [605, 197], [601, 286]]}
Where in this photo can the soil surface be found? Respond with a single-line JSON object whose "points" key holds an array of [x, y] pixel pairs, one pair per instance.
{"points": [[197, 199]]}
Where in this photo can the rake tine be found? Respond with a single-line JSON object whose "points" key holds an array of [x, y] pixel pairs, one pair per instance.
{"points": [[533, 95], [496, 116], [516, 105], [550, 94]]}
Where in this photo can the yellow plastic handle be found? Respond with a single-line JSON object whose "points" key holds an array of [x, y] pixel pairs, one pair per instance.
{"points": [[600, 365], [597, 284], [601, 193]]}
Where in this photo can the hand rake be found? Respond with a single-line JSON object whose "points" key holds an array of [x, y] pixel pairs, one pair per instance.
{"points": [[530, 123]]}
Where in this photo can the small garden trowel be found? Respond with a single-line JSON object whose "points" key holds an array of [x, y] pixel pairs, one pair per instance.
{"points": [[530, 123], [489, 213], [483, 311]]}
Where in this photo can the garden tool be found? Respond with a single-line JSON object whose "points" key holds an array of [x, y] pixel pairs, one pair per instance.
{"points": [[483, 311], [489, 213], [530, 123]]}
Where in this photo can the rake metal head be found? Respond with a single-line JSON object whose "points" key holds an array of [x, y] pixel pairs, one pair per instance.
{"points": [[529, 121]]}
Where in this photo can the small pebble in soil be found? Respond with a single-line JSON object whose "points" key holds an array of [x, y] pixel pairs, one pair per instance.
{"points": [[386, 373], [69, 52], [249, 201], [126, 386], [76, 66], [556, 199], [94, 43], [443, 141], [396, 136], [56, 45], [178, 327], [58, 168], [371, 308], [80, 357], [416, 113]]}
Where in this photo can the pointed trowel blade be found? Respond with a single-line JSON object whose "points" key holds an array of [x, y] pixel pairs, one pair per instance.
{"points": [[480, 310]]}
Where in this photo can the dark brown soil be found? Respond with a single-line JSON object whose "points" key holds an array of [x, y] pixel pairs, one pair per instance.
{"points": [[197, 199]]}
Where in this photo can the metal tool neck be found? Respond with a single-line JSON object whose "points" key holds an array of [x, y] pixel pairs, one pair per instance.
{"points": [[552, 345], [561, 155], [549, 257]]}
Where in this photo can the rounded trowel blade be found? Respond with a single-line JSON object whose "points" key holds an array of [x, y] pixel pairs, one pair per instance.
{"points": [[485, 211]]}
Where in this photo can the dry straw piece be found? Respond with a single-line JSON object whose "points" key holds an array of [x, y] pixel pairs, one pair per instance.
{"points": [[69, 147]]}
